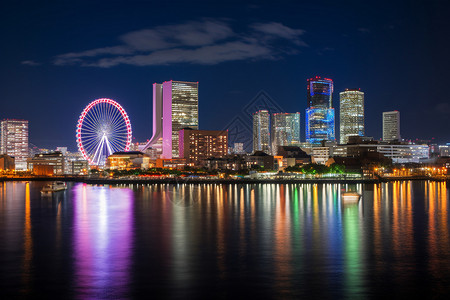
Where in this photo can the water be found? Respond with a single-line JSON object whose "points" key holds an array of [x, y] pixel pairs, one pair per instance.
{"points": [[224, 241]]}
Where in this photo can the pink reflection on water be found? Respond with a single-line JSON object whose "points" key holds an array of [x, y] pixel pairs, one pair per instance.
{"points": [[103, 232]]}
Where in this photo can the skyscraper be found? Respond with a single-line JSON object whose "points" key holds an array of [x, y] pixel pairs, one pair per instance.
{"points": [[14, 141], [391, 126], [320, 112], [175, 106], [351, 114], [285, 130], [261, 134]]}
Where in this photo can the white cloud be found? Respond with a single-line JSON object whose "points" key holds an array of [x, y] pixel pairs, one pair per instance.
{"points": [[204, 42], [278, 30], [30, 63]]}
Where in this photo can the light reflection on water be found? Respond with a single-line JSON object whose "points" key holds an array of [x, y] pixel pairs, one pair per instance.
{"points": [[102, 229], [262, 240]]}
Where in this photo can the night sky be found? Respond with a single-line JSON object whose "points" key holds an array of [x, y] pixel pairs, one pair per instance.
{"points": [[57, 56]]}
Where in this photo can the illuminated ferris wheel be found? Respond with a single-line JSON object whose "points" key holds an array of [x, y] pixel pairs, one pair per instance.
{"points": [[103, 128]]}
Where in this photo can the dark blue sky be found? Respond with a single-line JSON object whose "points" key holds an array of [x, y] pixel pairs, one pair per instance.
{"points": [[57, 56]]}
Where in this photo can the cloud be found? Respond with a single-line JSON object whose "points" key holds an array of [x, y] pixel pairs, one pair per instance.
{"points": [[277, 30], [30, 63], [442, 108], [205, 42], [364, 30]]}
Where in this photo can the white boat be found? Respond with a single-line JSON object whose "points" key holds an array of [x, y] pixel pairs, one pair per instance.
{"points": [[53, 187], [350, 197]]}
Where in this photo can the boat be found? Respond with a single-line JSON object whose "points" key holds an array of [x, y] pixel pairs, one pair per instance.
{"points": [[350, 197], [55, 186]]}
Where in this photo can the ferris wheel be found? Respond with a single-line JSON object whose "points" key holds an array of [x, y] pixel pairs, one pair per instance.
{"points": [[103, 128]]}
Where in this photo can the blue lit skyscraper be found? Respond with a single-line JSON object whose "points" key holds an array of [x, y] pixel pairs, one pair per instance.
{"points": [[320, 112]]}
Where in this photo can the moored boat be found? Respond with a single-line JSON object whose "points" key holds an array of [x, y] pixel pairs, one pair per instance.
{"points": [[350, 196], [55, 186]]}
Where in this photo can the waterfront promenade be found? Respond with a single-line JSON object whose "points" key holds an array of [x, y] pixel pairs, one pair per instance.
{"points": [[197, 180]]}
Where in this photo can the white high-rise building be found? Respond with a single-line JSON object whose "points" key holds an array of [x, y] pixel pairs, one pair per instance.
{"points": [[351, 114], [175, 106], [14, 141], [285, 130], [391, 126], [261, 131]]}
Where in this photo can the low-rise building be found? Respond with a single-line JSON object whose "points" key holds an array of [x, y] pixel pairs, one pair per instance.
{"points": [[444, 150], [260, 159], [229, 162], [77, 167], [128, 160], [289, 156], [7, 162], [171, 163], [47, 164]]}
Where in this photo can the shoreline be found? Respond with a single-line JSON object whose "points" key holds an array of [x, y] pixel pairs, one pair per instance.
{"points": [[216, 181]]}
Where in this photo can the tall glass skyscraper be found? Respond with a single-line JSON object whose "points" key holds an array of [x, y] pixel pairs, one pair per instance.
{"points": [[285, 130], [261, 132], [351, 114], [14, 141], [391, 126], [320, 112], [175, 106]]}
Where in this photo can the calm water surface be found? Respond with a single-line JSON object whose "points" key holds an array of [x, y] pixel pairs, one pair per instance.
{"points": [[224, 241]]}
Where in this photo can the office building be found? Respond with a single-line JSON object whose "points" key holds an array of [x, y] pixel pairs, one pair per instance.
{"points": [[198, 145], [391, 126], [351, 114], [261, 132], [47, 164], [320, 124], [175, 106], [285, 130], [14, 141]]}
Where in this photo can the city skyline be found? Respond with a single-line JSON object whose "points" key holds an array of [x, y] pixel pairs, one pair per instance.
{"points": [[107, 55]]}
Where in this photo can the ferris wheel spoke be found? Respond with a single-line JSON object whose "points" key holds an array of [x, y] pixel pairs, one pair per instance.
{"points": [[98, 152], [117, 119], [120, 123], [108, 146], [118, 145], [92, 123], [95, 116], [91, 144], [88, 130]]}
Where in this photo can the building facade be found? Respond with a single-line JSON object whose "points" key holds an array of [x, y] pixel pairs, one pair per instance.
{"points": [[391, 126], [128, 160], [320, 125], [285, 130], [14, 141], [197, 145], [175, 106], [6, 163], [320, 121], [261, 131], [47, 164], [238, 148], [351, 114]]}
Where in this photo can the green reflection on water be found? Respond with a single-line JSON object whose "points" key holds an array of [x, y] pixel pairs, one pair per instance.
{"points": [[352, 250]]}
